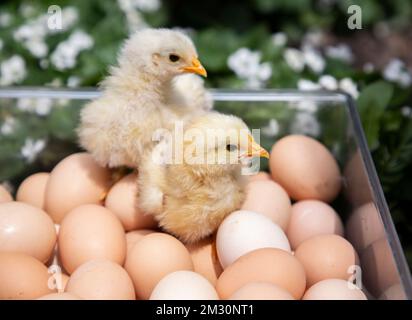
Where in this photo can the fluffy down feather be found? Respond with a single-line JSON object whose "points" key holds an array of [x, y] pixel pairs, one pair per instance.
{"points": [[190, 200], [141, 95]]}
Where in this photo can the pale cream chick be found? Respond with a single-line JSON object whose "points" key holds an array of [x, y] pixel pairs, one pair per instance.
{"points": [[190, 199], [143, 93]]}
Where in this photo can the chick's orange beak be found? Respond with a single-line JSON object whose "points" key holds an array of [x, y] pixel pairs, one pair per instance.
{"points": [[255, 150], [196, 67]]}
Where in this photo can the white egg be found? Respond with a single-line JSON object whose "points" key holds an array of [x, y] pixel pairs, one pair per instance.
{"points": [[244, 231], [184, 285]]}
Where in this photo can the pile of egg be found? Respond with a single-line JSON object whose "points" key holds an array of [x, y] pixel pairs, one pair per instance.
{"points": [[71, 235]]}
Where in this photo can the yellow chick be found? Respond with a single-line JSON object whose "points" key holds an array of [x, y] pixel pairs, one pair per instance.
{"points": [[141, 95], [191, 186]]}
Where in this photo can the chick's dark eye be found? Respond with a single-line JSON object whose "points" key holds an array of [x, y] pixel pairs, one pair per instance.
{"points": [[231, 147], [174, 57]]}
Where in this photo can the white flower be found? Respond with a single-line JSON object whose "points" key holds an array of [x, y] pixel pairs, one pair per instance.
{"points": [[27, 10], [12, 70], [5, 19], [328, 82], [349, 87], [246, 65], [294, 58], [313, 59], [65, 55], [406, 111], [147, 5], [279, 39], [393, 69], [134, 18], [340, 52], [272, 128], [32, 148], [55, 83], [305, 123], [244, 62], [8, 126], [40, 106], [73, 81], [38, 48], [81, 40], [405, 79], [43, 106], [368, 67], [309, 106], [313, 38], [70, 15], [307, 85], [264, 71]]}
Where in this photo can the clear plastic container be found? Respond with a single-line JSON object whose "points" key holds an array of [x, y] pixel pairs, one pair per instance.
{"points": [[330, 117]]}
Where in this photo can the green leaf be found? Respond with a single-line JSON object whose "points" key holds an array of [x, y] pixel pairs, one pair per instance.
{"points": [[372, 103]]}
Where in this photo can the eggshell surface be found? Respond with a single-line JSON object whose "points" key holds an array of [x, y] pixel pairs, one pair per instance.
{"points": [[33, 189], [364, 226], [269, 198], [205, 259], [311, 218], [132, 237], [26, 229], [325, 257], [271, 265], [184, 285], [122, 201], [152, 258], [305, 168], [244, 231], [22, 277], [76, 180], [60, 296], [101, 280], [90, 232], [334, 289], [261, 291]]}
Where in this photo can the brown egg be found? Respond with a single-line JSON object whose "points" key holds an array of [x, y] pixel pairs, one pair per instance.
{"points": [[60, 296], [334, 289], [310, 218], [205, 260], [132, 237], [33, 189], [364, 226], [90, 232], [260, 176], [76, 180], [22, 277], [122, 201], [379, 267], [5, 196], [261, 291], [152, 258], [305, 168], [26, 229], [61, 287], [358, 190], [394, 292], [101, 280], [326, 256], [269, 198], [271, 265]]}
